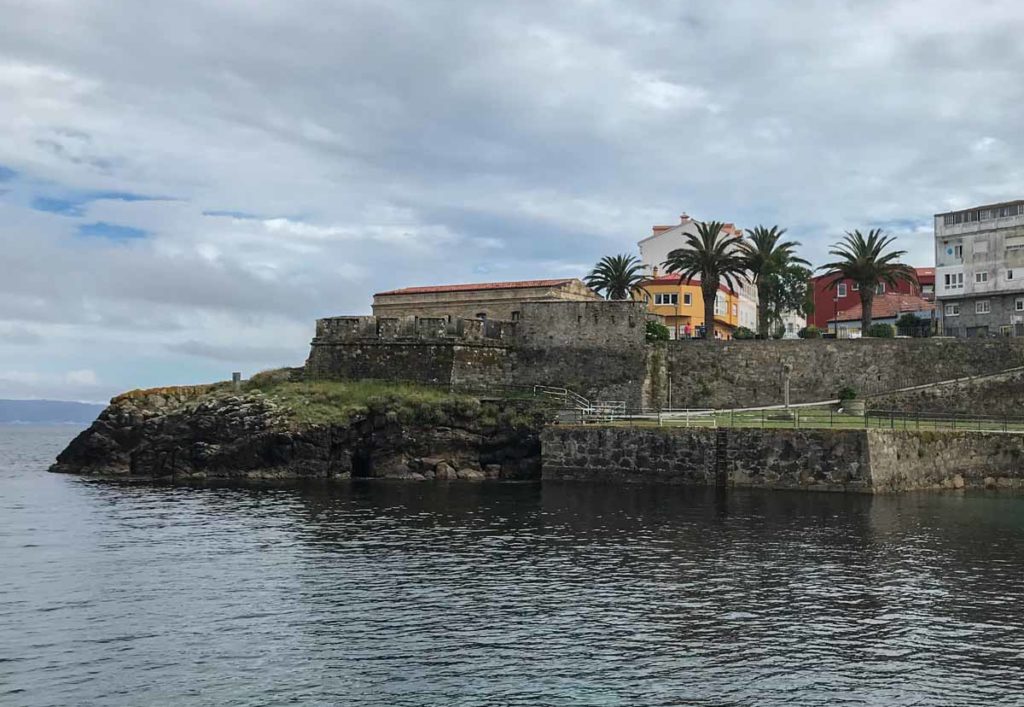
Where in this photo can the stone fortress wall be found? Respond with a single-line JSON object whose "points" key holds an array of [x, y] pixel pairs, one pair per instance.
{"points": [[749, 373], [599, 349]]}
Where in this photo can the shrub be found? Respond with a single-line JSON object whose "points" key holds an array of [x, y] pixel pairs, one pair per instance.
{"points": [[847, 393], [881, 331], [656, 331], [809, 332], [743, 333], [909, 321]]}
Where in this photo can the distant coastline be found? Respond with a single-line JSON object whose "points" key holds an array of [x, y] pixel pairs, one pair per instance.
{"points": [[47, 412]]}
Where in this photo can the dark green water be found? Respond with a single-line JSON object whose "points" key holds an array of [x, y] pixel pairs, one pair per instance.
{"points": [[461, 594]]}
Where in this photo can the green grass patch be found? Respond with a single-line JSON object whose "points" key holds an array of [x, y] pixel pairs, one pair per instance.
{"points": [[339, 402], [329, 402]]}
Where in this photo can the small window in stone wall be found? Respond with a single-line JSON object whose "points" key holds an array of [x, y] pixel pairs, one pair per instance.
{"points": [[515, 316]]}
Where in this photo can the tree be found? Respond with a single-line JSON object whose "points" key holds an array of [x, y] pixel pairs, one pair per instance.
{"points": [[766, 254], [864, 260], [616, 276], [713, 257], [785, 290]]}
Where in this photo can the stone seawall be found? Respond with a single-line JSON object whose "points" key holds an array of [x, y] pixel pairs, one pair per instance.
{"points": [[874, 461], [902, 461]]}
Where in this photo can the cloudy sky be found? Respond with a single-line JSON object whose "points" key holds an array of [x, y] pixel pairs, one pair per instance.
{"points": [[185, 186]]}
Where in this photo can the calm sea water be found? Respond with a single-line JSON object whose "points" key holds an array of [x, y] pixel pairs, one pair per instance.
{"points": [[423, 594]]}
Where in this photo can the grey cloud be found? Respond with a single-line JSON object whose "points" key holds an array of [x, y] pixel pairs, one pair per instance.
{"points": [[280, 355], [412, 141]]}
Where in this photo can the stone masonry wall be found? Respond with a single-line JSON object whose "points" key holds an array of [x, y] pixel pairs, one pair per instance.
{"points": [[904, 461], [597, 349], [461, 353], [749, 373], [869, 461], [999, 395], [815, 459]]}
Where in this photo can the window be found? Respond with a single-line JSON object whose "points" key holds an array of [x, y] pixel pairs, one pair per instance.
{"points": [[515, 316], [980, 277], [735, 310], [856, 287], [982, 214], [953, 281], [1019, 304], [880, 288], [481, 315], [958, 252], [841, 289], [952, 310], [982, 306], [1009, 274], [666, 298], [687, 299]]}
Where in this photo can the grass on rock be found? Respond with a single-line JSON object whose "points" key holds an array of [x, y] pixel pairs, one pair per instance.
{"points": [[327, 402]]}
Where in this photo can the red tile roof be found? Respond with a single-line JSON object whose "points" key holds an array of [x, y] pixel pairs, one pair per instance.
{"points": [[887, 306], [471, 287]]}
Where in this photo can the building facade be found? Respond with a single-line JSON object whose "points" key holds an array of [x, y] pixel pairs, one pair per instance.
{"points": [[681, 305], [885, 309], [654, 250], [979, 258], [830, 301], [482, 300]]}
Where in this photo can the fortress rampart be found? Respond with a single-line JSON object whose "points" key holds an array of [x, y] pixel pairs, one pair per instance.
{"points": [[599, 350]]}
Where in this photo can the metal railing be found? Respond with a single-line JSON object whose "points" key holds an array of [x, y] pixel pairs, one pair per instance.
{"points": [[805, 418]]}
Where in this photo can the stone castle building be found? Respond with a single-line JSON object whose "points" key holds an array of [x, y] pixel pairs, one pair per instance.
{"points": [[486, 300]]}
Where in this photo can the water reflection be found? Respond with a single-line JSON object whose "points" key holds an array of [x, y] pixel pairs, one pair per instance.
{"points": [[407, 594]]}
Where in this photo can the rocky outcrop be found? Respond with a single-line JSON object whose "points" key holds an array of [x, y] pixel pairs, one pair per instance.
{"points": [[186, 435]]}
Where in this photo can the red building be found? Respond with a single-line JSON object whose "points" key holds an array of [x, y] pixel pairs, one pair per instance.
{"points": [[828, 301]]}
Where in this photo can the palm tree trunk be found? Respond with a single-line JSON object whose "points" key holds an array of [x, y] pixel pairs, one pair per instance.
{"points": [[867, 298], [709, 307], [762, 311]]}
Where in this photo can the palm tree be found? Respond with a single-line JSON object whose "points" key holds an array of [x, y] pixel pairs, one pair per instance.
{"points": [[765, 254], [712, 256], [864, 260], [616, 276]]}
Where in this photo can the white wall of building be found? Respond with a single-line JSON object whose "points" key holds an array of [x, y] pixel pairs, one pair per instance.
{"points": [[654, 250]]}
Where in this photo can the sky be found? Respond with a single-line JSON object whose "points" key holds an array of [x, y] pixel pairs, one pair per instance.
{"points": [[185, 187]]}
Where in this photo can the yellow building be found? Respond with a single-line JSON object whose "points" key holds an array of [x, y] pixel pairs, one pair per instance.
{"points": [[682, 306]]}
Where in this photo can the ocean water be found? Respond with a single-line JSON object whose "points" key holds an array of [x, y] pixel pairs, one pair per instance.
{"points": [[499, 594]]}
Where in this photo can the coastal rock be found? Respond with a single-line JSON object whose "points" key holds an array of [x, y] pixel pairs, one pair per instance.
{"points": [[184, 434]]}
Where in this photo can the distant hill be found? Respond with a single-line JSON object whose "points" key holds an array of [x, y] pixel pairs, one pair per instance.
{"points": [[47, 412]]}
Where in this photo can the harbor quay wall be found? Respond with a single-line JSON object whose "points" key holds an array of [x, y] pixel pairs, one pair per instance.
{"points": [[863, 461]]}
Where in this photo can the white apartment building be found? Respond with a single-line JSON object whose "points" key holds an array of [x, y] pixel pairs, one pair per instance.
{"points": [[654, 250], [979, 273]]}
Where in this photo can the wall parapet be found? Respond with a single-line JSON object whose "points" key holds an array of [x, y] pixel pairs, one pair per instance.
{"points": [[364, 329]]}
